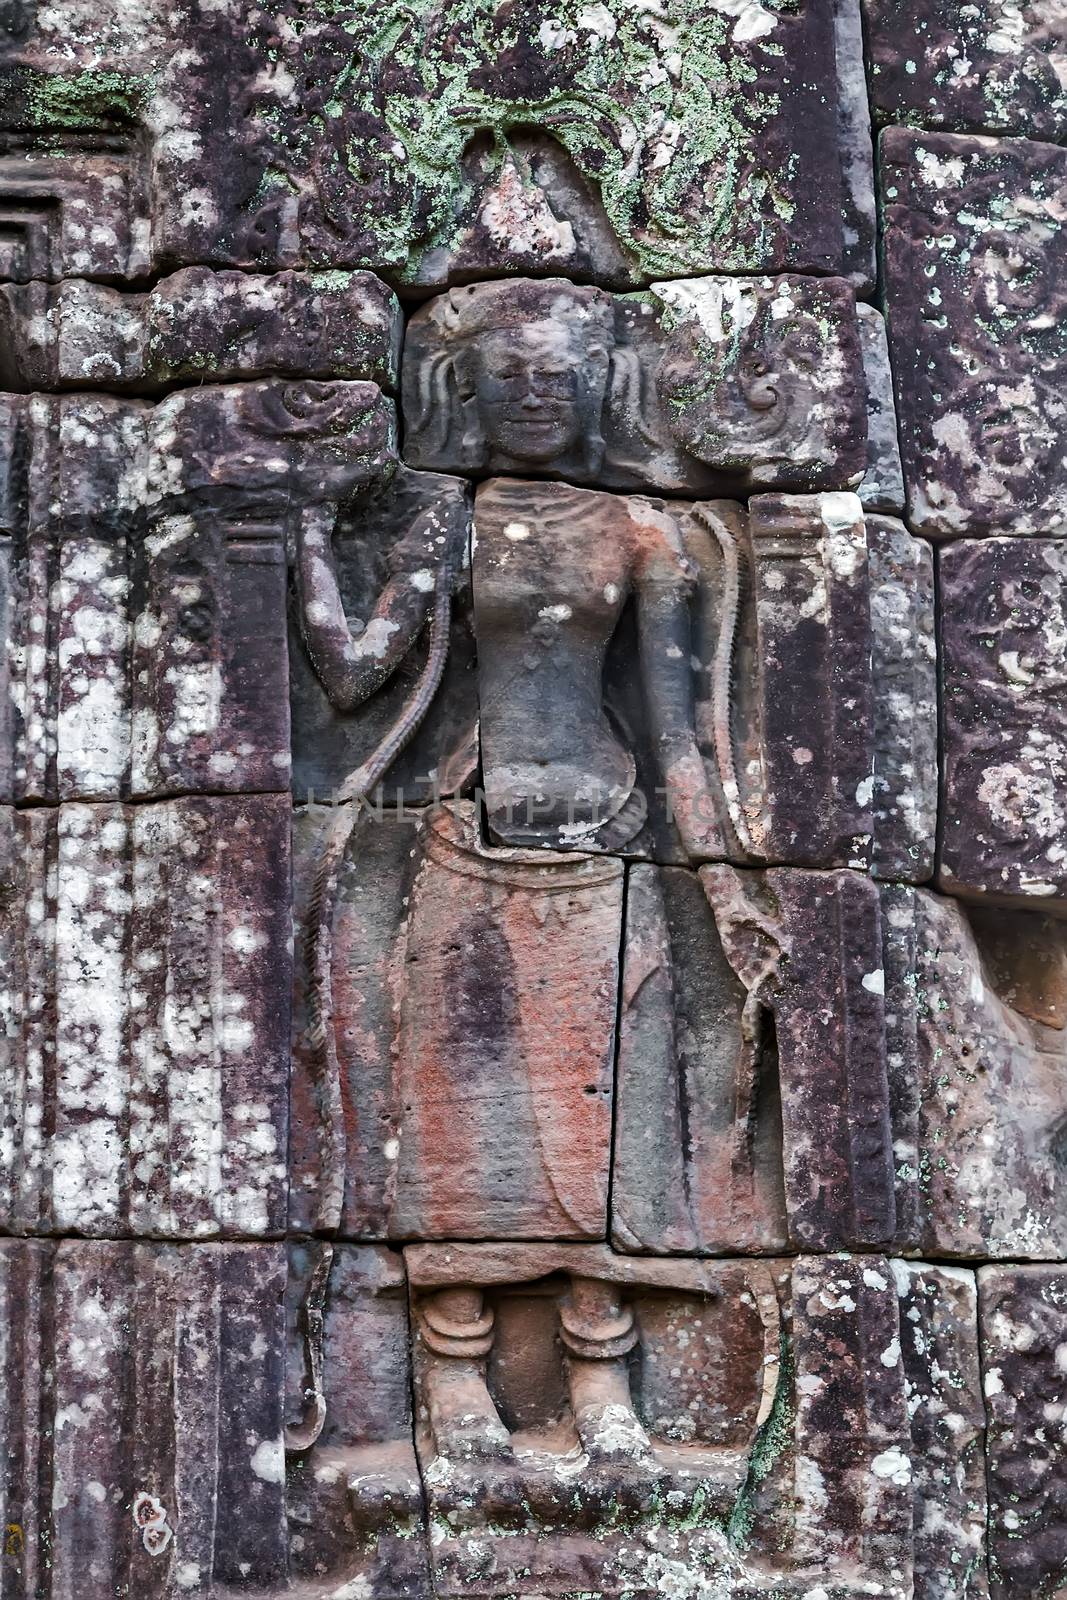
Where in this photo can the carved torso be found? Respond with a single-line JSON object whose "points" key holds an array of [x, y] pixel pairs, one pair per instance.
{"points": [[553, 568]]}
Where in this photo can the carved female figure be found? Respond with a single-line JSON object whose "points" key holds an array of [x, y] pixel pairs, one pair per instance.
{"points": [[519, 377]]}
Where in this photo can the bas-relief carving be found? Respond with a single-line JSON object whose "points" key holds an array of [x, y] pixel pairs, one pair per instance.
{"points": [[464, 976], [1004, 669], [147, 1395], [772, 610], [748, 713], [975, 1047], [531, 1361], [736, 1118], [149, 542], [977, 356], [77, 207], [468, 972], [436, 149], [376, 563], [809, 1060], [705, 386], [565, 1400]]}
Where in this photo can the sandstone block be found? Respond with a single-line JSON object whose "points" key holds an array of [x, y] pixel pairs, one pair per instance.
{"points": [[703, 386], [156, 1427], [1004, 667], [198, 326], [974, 250], [596, 146], [1023, 1320], [146, 1049], [142, 553], [974, 67], [477, 1089]]}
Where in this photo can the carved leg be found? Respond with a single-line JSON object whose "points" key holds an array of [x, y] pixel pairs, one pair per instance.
{"points": [[598, 1332], [457, 1331]]}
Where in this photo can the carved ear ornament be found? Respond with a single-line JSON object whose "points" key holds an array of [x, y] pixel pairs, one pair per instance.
{"points": [[438, 401]]}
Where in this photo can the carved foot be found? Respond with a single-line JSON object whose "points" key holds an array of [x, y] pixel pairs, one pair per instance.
{"points": [[456, 1327], [598, 1332]]}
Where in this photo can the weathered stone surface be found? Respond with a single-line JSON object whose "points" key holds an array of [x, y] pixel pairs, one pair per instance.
{"points": [[938, 1351], [813, 624], [752, 1107], [882, 488], [198, 326], [355, 1501], [680, 1092], [904, 673], [703, 385], [510, 376], [553, 570], [527, 1406], [481, 1106], [853, 1451], [802, 1067], [616, 144], [153, 1417], [975, 1050], [763, 1402], [859, 210], [669, 679], [368, 925], [784, 1445], [73, 475], [745, 383], [517, 1026], [146, 547], [984, 67], [141, 1411], [806, 948], [147, 995], [974, 249], [698, 1116], [1004, 670], [750, 699], [268, 451], [350, 678], [74, 204], [1024, 1329]]}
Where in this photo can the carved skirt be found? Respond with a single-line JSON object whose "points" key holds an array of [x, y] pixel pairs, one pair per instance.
{"points": [[506, 1003]]}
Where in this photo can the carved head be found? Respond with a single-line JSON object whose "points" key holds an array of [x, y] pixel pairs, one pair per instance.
{"points": [[754, 388], [510, 374]]}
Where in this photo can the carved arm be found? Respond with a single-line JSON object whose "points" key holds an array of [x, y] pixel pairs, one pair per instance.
{"points": [[353, 666]]}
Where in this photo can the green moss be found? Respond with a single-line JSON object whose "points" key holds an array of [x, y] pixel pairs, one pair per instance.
{"points": [[774, 1439], [663, 115], [84, 99]]}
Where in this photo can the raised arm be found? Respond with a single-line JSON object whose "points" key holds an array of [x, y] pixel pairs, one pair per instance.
{"points": [[352, 666]]}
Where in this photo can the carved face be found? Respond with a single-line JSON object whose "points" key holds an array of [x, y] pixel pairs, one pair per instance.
{"points": [[529, 391], [748, 402]]}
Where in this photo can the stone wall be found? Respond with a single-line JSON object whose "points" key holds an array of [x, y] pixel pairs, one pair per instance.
{"points": [[533, 791]]}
